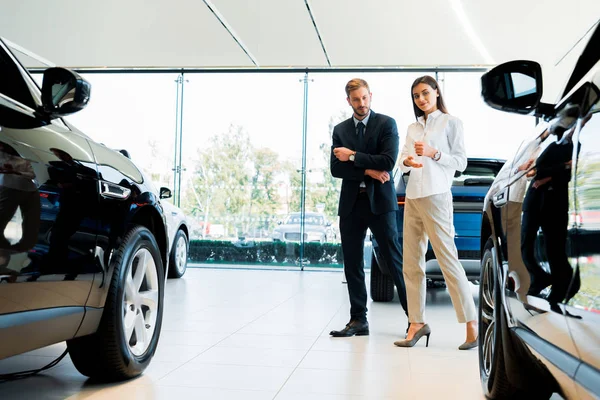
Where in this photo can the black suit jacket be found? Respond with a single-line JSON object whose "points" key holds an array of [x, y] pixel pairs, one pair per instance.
{"points": [[380, 153]]}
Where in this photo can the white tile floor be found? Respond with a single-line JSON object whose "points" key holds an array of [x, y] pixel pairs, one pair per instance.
{"points": [[262, 335]]}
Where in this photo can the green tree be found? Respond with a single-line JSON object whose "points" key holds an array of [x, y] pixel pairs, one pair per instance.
{"points": [[220, 180], [264, 197], [325, 192], [328, 190], [294, 185]]}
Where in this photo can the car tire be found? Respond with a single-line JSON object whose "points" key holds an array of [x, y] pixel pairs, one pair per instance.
{"points": [[115, 352], [528, 379], [492, 369], [382, 286], [179, 255]]}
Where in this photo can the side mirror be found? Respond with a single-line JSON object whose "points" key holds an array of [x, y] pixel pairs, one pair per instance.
{"points": [[64, 92], [457, 174], [165, 193], [515, 86]]}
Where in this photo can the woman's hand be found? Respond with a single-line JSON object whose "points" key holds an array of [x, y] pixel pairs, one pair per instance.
{"points": [[541, 182], [410, 162], [526, 165], [423, 149]]}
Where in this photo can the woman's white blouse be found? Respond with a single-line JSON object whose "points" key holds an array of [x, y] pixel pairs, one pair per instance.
{"points": [[443, 132]]}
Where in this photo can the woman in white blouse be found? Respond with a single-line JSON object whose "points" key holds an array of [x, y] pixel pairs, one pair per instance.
{"points": [[434, 149]]}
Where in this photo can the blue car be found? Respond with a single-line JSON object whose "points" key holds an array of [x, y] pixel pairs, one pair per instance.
{"points": [[468, 191]]}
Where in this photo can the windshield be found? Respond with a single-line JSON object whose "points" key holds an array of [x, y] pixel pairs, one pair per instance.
{"points": [[13, 80], [588, 58], [560, 76], [478, 173]]}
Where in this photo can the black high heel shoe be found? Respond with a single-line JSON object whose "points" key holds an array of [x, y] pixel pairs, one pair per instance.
{"points": [[424, 331]]}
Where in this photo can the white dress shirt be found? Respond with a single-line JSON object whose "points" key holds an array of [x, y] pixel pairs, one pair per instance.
{"points": [[443, 132]]}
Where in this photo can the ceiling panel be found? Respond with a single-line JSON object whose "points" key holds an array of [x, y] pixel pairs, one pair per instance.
{"points": [[536, 30], [393, 33], [113, 33], [280, 33], [540, 31], [276, 32]]}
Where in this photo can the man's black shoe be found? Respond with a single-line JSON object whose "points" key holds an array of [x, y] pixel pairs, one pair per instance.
{"points": [[352, 328]]}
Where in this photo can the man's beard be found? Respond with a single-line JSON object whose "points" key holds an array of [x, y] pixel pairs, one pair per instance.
{"points": [[362, 113]]}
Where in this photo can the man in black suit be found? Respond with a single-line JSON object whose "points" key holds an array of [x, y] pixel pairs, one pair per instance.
{"points": [[364, 152], [546, 206]]}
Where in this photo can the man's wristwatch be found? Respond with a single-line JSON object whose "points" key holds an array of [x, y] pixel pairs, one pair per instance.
{"points": [[351, 157], [437, 155]]}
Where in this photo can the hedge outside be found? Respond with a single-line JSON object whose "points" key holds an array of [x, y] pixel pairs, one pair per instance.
{"points": [[250, 252]]}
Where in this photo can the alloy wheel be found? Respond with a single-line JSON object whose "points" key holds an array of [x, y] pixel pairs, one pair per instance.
{"points": [[181, 254], [488, 314], [140, 302]]}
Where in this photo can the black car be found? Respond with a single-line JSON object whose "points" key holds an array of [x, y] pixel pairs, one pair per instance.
{"points": [[83, 239], [539, 302], [468, 192]]}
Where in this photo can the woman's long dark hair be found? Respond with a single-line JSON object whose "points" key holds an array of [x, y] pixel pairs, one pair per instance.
{"points": [[428, 80]]}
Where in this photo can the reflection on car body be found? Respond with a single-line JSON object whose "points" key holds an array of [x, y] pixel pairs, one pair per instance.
{"points": [[540, 278]]}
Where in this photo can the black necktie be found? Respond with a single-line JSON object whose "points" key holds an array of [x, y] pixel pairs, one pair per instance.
{"points": [[360, 140]]}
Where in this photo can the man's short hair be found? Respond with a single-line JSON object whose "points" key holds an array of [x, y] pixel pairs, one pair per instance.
{"points": [[356, 83]]}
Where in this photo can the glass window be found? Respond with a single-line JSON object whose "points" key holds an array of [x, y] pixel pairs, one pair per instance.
{"points": [[478, 173], [241, 160], [327, 107], [14, 82], [586, 185], [136, 113], [489, 133]]}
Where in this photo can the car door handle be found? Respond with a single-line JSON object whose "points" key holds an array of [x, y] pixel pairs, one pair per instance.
{"points": [[500, 199], [113, 191]]}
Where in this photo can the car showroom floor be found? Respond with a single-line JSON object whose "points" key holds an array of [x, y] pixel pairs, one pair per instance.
{"points": [[260, 334]]}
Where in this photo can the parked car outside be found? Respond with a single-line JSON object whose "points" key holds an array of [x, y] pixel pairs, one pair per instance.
{"points": [[88, 261], [316, 228], [178, 231], [468, 192], [539, 298]]}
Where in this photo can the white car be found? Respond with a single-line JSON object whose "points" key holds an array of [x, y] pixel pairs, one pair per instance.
{"points": [[316, 228], [178, 231]]}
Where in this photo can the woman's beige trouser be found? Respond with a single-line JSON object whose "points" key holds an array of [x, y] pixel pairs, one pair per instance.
{"points": [[431, 217]]}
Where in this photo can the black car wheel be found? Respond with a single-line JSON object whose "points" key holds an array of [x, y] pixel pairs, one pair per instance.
{"points": [[382, 286], [525, 377], [128, 333], [179, 256], [491, 354]]}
